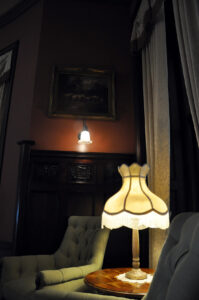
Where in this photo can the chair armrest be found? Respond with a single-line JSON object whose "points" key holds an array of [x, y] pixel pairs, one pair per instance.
{"points": [[50, 277], [14, 267]]}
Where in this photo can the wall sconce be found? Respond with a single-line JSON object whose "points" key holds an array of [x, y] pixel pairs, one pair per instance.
{"points": [[84, 135]]}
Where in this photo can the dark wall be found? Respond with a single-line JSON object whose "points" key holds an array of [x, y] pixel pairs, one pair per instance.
{"points": [[85, 34], [73, 33], [25, 29]]}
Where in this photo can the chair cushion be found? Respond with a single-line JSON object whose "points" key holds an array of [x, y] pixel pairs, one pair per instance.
{"points": [[52, 277], [75, 296], [59, 291], [24, 289], [14, 267], [19, 289]]}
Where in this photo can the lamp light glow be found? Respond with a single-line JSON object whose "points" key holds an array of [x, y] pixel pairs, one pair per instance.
{"points": [[136, 207], [84, 135]]}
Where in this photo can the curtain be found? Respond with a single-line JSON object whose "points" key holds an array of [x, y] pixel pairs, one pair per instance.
{"points": [[186, 14], [184, 170], [156, 109]]}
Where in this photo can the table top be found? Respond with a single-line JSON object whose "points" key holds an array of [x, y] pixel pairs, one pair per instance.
{"points": [[105, 281]]}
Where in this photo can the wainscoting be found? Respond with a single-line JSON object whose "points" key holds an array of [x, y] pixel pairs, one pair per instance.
{"points": [[6, 249], [54, 185]]}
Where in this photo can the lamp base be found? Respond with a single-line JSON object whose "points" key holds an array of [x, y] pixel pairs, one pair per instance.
{"points": [[136, 274]]}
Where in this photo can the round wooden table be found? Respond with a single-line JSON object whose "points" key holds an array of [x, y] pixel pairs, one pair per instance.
{"points": [[105, 281]]}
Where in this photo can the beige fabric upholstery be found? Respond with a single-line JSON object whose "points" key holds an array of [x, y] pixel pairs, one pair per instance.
{"points": [[82, 243], [81, 252], [21, 266], [41, 295]]}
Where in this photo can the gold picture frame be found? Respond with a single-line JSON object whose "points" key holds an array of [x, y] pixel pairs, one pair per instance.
{"points": [[82, 93]]}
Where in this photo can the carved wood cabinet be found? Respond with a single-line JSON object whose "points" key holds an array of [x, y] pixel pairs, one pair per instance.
{"points": [[54, 185]]}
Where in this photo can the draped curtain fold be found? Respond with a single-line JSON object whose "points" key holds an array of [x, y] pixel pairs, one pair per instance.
{"points": [[156, 108], [184, 170], [187, 27]]}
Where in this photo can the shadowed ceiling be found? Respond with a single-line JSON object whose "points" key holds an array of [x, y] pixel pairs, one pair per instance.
{"points": [[11, 9]]}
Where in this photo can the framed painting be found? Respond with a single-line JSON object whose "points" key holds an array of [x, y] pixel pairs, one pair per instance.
{"points": [[82, 93], [7, 68]]}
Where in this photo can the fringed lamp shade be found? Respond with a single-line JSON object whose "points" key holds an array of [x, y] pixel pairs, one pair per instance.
{"points": [[134, 205]]}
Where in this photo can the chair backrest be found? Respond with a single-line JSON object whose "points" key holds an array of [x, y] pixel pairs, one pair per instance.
{"points": [[84, 242], [177, 274]]}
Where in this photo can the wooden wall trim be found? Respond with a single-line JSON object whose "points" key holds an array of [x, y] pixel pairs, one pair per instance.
{"points": [[23, 167], [72, 154]]}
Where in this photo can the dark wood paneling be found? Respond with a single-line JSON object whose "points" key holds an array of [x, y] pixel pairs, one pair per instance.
{"points": [[6, 248], [54, 185]]}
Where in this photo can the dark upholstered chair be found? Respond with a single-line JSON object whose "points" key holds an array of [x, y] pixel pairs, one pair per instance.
{"points": [[81, 252], [177, 274]]}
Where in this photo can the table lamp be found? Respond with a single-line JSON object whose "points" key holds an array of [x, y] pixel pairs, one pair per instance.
{"points": [[135, 207]]}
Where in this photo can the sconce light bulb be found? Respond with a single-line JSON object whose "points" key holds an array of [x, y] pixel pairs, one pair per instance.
{"points": [[84, 137]]}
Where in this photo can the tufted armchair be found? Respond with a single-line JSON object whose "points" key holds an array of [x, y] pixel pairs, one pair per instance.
{"points": [[81, 252]]}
